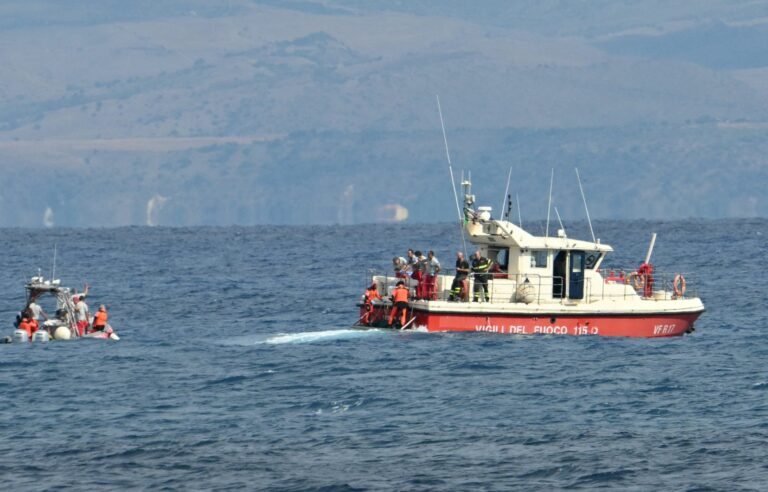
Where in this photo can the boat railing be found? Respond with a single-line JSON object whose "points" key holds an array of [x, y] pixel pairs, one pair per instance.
{"points": [[535, 288]]}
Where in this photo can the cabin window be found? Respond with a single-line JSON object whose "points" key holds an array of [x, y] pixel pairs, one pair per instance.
{"points": [[539, 258], [500, 256], [591, 260]]}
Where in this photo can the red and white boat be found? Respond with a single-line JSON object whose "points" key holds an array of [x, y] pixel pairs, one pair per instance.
{"points": [[545, 286]]}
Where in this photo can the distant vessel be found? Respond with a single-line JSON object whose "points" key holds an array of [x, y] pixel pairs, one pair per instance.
{"points": [[61, 326], [547, 286]]}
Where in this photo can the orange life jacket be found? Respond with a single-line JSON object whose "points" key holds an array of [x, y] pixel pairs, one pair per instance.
{"points": [[370, 295], [26, 326], [400, 294], [101, 318]]}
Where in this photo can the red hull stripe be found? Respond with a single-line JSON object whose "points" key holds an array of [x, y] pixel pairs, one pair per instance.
{"points": [[612, 325]]}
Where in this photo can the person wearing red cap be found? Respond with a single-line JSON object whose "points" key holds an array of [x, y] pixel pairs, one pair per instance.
{"points": [[81, 314]]}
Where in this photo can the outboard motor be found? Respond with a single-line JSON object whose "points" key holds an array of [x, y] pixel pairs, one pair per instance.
{"points": [[41, 336], [20, 336]]}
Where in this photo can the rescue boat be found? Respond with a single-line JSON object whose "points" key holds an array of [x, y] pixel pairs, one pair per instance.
{"points": [[542, 285], [61, 325]]}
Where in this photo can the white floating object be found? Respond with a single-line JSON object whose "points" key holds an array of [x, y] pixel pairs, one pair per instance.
{"points": [[62, 333]]}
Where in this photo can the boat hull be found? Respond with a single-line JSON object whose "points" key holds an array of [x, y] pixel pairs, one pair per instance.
{"points": [[611, 325]]}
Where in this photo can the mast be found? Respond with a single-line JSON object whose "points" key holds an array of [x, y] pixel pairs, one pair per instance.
{"points": [[450, 170], [549, 204], [506, 193], [584, 199]]}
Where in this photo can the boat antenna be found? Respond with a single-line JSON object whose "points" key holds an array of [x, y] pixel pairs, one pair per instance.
{"points": [[506, 194], [561, 222], [592, 231], [519, 214], [53, 268], [509, 206], [549, 205], [450, 170]]}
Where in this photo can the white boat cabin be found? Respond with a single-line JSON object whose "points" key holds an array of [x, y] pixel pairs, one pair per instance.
{"points": [[555, 267]]}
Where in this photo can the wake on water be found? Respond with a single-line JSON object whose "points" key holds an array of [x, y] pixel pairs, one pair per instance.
{"points": [[314, 336], [318, 336], [301, 337]]}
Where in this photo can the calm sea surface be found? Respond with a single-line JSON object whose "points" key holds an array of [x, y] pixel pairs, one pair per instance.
{"points": [[237, 370]]}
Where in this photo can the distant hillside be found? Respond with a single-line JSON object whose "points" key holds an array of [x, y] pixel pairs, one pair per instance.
{"points": [[183, 113]]}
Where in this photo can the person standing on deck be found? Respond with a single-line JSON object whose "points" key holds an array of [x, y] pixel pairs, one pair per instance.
{"points": [[480, 267], [458, 289], [371, 294], [399, 304], [418, 266], [400, 265], [82, 315], [430, 279], [411, 258]]}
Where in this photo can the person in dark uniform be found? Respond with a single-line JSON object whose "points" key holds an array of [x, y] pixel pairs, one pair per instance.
{"points": [[462, 271], [480, 267]]}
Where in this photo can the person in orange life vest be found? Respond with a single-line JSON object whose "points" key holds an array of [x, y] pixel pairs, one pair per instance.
{"points": [[371, 294], [26, 325], [34, 324], [100, 320], [399, 303], [81, 314]]}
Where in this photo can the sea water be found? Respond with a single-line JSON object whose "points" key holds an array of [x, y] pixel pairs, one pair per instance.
{"points": [[236, 369]]}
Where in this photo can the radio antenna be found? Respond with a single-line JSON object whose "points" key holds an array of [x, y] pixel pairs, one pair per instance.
{"points": [[585, 205], [53, 268], [519, 214], [560, 221], [506, 193], [450, 170], [549, 205]]}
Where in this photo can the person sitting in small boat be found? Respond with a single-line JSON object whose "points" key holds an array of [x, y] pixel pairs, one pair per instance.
{"points": [[36, 311], [399, 303], [81, 314], [26, 324], [100, 320], [371, 294]]}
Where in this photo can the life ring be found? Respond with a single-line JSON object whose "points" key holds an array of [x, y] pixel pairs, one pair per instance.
{"points": [[679, 285]]}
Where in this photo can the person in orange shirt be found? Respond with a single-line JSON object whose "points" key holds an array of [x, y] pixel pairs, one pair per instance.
{"points": [[100, 320], [399, 303], [25, 324], [371, 294]]}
